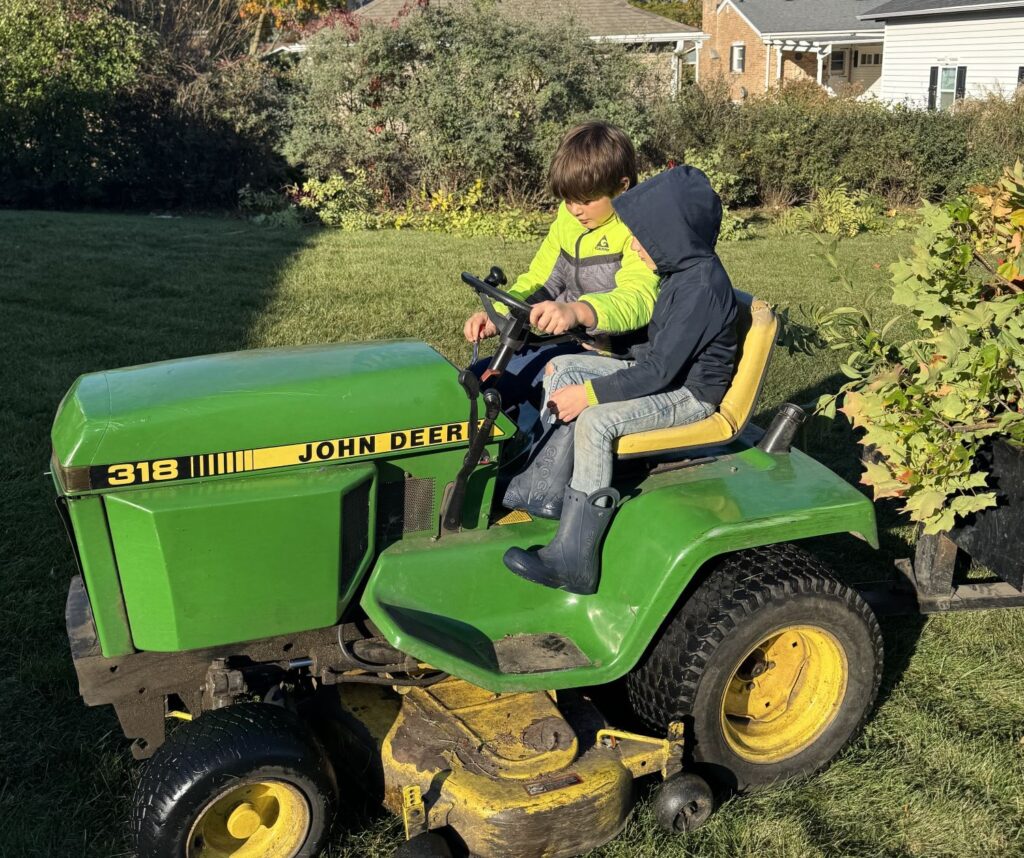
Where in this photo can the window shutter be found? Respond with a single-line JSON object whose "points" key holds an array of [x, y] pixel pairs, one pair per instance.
{"points": [[961, 82], [933, 87], [856, 58], [1020, 76]]}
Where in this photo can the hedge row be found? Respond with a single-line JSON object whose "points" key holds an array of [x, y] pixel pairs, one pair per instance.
{"points": [[97, 107]]}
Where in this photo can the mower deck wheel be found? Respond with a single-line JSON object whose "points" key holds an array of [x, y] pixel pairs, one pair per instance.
{"points": [[683, 803], [428, 845]]}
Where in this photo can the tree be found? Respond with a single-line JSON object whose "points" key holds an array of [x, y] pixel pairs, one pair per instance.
{"points": [[284, 15]]}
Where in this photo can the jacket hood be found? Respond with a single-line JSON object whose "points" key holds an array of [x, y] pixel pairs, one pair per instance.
{"points": [[675, 215]]}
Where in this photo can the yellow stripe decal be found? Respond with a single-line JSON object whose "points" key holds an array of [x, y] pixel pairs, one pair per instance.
{"points": [[283, 456]]}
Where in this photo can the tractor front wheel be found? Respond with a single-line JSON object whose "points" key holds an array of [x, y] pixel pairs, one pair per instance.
{"points": [[246, 781], [772, 664]]}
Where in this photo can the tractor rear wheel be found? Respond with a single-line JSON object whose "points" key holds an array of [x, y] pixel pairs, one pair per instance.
{"points": [[772, 664], [246, 781]]}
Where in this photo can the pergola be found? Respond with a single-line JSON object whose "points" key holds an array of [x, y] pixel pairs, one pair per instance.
{"points": [[820, 44]]}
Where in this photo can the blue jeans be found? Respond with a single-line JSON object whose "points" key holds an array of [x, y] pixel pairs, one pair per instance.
{"points": [[520, 383], [598, 426]]}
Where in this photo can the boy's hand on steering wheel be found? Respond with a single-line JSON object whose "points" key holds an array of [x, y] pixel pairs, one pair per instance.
{"points": [[569, 402], [553, 317], [478, 327]]}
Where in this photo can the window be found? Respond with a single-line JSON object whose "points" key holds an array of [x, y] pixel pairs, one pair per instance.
{"points": [[738, 59], [946, 86], [1020, 76], [838, 65], [865, 59]]}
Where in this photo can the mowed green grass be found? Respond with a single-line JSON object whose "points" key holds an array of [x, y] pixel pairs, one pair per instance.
{"points": [[938, 772]]}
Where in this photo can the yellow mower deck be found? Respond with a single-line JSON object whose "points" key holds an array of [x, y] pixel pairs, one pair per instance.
{"points": [[515, 775]]}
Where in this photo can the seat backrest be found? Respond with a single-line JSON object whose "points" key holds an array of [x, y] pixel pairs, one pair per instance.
{"points": [[757, 328]]}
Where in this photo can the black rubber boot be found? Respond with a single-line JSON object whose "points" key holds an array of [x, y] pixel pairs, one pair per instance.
{"points": [[540, 487], [572, 560]]}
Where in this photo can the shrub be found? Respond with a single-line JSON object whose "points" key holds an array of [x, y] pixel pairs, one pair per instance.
{"points": [[835, 211], [929, 406], [785, 144], [456, 94], [344, 201], [195, 143], [99, 110], [349, 202], [64, 66], [995, 128], [727, 185], [694, 121]]}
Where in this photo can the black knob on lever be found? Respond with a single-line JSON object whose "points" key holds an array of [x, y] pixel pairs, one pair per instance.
{"points": [[496, 277]]}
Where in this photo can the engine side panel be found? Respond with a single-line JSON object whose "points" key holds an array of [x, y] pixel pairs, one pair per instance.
{"points": [[233, 560]]}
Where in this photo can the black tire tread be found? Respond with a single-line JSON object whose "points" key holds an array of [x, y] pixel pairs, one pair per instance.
{"points": [[663, 687], [215, 741]]}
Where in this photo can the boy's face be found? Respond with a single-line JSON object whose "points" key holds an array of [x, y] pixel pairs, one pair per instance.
{"points": [[592, 213], [643, 254]]}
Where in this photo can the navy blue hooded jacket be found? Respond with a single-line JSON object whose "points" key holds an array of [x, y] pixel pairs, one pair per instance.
{"points": [[692, 335]]}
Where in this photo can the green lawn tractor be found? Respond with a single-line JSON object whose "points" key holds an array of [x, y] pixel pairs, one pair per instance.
{"points": [[292, 582]]}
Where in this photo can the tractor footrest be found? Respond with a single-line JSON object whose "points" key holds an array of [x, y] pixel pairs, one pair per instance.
{"points": [[538, 653]]}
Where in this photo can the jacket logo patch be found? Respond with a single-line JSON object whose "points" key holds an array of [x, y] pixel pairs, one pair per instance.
{"points": [[602, 244]]}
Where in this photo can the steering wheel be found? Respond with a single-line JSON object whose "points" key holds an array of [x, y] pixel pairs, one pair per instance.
{"points": [[514, 328], [489, 287]]}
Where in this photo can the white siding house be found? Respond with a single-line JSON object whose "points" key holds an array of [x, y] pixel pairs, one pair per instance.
{"points": [[939, 51]]}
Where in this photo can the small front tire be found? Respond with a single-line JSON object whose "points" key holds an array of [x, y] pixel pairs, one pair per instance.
{"points": [[246, 781]]}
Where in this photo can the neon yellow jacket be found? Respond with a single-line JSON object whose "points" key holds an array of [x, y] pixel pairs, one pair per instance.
{"points": [[596, 266]]}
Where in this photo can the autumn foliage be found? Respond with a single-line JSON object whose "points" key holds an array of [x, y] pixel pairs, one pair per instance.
{"points": [[929, 406]]}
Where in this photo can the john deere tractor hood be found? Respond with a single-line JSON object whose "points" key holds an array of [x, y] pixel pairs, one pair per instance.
{"points": [[253, 410]]}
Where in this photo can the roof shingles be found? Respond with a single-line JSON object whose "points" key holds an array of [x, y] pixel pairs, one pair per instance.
{"points": [[600, 18], [932, 7], [807, 16]]}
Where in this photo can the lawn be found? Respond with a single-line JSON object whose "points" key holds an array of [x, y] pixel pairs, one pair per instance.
{"points": [[938, 772]]}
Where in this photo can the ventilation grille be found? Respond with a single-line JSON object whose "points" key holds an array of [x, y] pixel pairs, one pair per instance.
{"points": [[355, 527], [405, 507]]}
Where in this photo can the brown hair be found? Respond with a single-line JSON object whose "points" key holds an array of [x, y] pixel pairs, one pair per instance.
{"points": [[591, 162]]}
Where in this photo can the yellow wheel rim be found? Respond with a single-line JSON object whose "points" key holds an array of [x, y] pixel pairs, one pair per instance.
{"points": [[261, 819], [784, 693]]}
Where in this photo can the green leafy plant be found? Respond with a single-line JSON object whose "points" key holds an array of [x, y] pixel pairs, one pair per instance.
{"points": [[64, 66], [929, 405], [350, 201], [726, 184], [840, 212], [456, 93]]}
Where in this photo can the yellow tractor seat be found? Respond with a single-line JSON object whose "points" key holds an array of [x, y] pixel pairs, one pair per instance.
{"points": [[756, 330]]}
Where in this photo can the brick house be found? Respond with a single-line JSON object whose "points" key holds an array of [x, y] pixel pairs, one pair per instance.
{"points": [[758, 44], [664, 44]]}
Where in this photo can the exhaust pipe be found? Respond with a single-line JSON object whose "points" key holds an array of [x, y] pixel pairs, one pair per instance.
{"points": [[779, 437]]}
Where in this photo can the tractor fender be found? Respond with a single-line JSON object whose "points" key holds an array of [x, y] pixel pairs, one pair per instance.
{"points": [[664, 535]]}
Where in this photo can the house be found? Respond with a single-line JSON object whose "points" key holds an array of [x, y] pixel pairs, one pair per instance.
{"points": [[758, 44], [666, 45], [940, 51]]}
